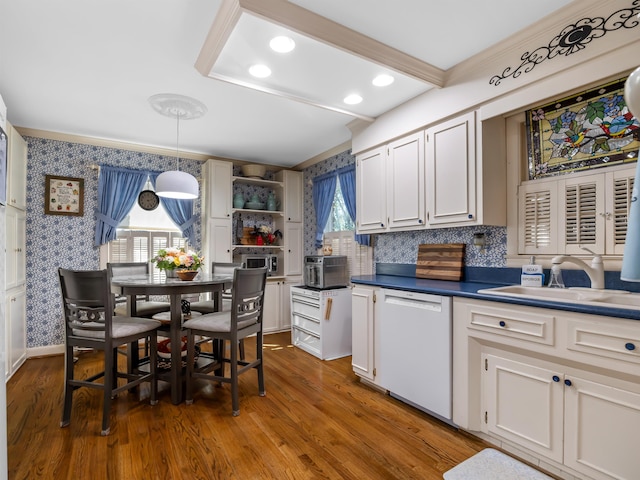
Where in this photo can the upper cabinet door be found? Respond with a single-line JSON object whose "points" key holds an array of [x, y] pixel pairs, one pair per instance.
{"points": [[219, 189], [17, 174], [371, 199], [293, 196], [451, 171], [406, 192]]}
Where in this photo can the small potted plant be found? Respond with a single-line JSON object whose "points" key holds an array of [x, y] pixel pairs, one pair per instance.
{"points": [[178, 261]]}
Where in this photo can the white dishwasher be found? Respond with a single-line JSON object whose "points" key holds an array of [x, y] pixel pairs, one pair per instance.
{"points": [[415, 341]]}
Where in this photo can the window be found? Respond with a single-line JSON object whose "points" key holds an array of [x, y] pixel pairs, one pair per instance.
{"points": [[339, 234], [141, 234], [339, 219]]}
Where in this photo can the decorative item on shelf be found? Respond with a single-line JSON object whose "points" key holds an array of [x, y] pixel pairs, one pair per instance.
{"points": [[174, 183], [255, 203], [272, 202], [238, 200], [239, 230], [264, 235], [174, 261], [254, 171]]}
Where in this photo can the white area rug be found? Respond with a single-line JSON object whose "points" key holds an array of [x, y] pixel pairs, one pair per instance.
{"points": [[490, 464]]}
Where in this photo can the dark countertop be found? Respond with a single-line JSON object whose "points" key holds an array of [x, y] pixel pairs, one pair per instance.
{"points": [[469, 289]]}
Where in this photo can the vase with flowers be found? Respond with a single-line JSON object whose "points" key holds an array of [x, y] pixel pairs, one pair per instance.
{"points": [[178, 262], [265, 236]]}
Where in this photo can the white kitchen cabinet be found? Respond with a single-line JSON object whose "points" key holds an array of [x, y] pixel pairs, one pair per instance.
{"points": [[560, 386], [363, 305], [16, 339], [406, 182], [15, 256], [390, 186], [293, 248], [293, 201], [277, 316], [589, 209], [371, 188], [321, 321], [217, 197], [17, 170], [466, 172]]}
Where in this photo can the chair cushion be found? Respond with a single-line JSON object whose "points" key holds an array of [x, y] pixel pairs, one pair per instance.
{"points": [[216, 322], [120, 327], [144, 308]]}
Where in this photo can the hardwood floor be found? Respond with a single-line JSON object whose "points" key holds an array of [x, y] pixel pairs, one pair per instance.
{"points": [[318, 421]]}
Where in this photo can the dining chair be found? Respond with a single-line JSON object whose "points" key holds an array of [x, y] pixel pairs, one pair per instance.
{"points": [[144, 307], [89, 323], [208, 306], [242, 320]]}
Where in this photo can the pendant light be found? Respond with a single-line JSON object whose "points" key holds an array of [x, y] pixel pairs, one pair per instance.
{"points": [[174, 183]]}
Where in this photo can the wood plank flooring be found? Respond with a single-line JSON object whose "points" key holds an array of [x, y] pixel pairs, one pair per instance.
{"points": [[318, 421]]}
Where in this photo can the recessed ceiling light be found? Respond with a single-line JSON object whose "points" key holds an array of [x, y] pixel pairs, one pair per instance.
{"points": [[260, 71], [282, 44], [352, 99], [383, 80]]}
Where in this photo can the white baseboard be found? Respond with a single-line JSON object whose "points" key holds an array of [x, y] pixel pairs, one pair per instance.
{"points": [[45, 351]]}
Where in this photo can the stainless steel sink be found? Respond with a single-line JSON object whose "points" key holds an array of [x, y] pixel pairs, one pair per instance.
{"points": [[577, 295]]}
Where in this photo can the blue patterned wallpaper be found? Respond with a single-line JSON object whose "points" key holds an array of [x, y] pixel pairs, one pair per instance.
{"points": [[65, 241], [402, 247]]}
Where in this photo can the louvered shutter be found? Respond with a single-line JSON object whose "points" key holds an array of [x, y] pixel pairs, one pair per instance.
{"points": [[359, 257], [538, 214], [584, 220], [619, 202]]}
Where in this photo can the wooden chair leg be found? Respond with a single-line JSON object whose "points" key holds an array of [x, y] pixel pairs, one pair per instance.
{"points": [[153, 368], [191, 345], [259, 343], [241, 345], [109, 359], [235, 401], [68, 389]]}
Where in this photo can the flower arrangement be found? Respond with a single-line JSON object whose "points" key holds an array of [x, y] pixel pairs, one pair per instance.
{"points": [[264, 235], [177, 258]]}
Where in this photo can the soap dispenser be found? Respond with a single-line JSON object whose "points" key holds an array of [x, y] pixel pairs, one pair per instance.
{"points": [[532, 275]]}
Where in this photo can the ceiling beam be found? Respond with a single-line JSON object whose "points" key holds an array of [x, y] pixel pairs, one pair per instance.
{"points": [[319, 28]]}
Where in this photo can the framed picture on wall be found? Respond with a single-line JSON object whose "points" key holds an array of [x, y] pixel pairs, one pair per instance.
{"points": [[63, 195], [591, 129]]}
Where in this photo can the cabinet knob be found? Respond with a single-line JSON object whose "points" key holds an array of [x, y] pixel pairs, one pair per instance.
{"points": [[470, 216], [420, 221], [630, 346], [567, 382], [382, 224], [503, 323], [555, 378]]}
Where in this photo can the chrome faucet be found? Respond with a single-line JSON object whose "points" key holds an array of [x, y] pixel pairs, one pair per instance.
{"points": [[595, 271]]}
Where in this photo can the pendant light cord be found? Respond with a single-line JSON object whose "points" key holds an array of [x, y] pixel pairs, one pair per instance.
{"points": [[177, 140]]}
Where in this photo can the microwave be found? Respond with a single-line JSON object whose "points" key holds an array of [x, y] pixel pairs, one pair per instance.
{"points": [[261, 260]]}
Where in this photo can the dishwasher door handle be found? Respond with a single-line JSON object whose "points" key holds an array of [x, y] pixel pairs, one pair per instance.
{"points": [[413, 303]]}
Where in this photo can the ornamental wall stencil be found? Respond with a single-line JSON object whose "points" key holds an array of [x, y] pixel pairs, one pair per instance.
{"points": [[572, 39]]}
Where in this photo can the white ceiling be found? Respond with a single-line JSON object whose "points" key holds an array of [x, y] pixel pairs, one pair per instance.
{"points": [[87, 67]]}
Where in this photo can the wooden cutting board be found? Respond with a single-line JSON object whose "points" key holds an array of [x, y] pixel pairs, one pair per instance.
{"points": [[441, 261]]}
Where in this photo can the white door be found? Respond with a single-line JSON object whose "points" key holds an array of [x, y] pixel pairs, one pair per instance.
{"points": [[362, 318], [450, 171], [406, 197], [219, 189], [293, 258], [371, 200], [601, 429], [523, 403]]}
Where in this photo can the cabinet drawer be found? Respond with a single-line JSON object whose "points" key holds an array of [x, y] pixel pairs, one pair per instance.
{"points": [[528, 326], [306, 323], [602, 339], [307, 306], [307, 341]]}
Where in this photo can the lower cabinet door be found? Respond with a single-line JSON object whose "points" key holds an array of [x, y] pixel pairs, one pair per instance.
{"points": [[601, 430], [523, 403]]}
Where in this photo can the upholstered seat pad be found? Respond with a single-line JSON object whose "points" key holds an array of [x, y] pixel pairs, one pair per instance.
{"points": [[120, 327], [216, 322], [206, 306], [144, 308]]}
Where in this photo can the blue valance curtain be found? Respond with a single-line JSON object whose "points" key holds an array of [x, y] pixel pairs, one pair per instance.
{"points": [[180, 212], [118, 189], [324, 189]]}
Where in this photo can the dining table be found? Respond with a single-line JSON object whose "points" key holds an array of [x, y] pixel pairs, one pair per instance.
{"points": [[174, 289]]}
